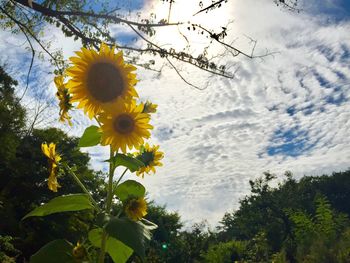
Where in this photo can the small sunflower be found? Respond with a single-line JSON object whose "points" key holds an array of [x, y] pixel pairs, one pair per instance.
{"points": [[64, 99], [100, 79], [151, 157], [79, 252], [136, 208], [149, 107], [124, 126], [53, 158]]}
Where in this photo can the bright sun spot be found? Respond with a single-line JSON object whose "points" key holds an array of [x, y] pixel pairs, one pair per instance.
{"points": [[183, 11]]}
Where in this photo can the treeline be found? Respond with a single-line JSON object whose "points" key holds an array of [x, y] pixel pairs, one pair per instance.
{"points": [[304, 220]]}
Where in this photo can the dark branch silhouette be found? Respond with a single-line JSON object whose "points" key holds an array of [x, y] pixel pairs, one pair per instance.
{"points": [[91, 28]]}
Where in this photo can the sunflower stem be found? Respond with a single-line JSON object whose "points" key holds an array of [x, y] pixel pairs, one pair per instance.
{"points": [[108, 206], [120, 178], [76, 179]]}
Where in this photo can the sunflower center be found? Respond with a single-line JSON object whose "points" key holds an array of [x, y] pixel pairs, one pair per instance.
{"points": [[124, 124], [105, 82], [134, 205], [146, 158]]}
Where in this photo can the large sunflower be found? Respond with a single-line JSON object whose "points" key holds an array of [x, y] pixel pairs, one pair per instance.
{"points": [[151, 157], [124, 125], [100, 79]]}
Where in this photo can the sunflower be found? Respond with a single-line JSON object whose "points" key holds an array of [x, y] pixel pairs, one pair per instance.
{"points": [[124, 125], [136, 208], [100, 79], [64, 99], [53, 158], [149, 107], [79, 252], [151, 157]]}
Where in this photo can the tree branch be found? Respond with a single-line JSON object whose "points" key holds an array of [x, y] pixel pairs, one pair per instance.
{"points": [[54, 13], [212, 6]]}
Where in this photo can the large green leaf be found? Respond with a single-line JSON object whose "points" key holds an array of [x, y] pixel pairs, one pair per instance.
{"points": [[91, 137], [118, 251], [133, 234], [65, 203], [57, 251], [130, 188], [129, 162]]}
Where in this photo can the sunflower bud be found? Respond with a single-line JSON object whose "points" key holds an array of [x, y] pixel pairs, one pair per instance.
{"points": [[149, 107], [79, 252]]}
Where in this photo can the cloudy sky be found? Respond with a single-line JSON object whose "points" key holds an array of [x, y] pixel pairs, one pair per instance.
{"points": [[286, 111]]}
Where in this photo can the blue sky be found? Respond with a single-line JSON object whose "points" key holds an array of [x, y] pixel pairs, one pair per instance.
{"points": [[289, 111], [339, 9]]}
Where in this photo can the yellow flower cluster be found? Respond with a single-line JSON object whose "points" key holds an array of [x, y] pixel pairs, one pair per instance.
{"points": [[103, 85]]}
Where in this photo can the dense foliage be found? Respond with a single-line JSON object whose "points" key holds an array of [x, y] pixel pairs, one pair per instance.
{"points": [[304, 220]]}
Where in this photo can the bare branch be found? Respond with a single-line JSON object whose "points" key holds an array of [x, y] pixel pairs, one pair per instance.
{"points": [[170, 5], [173, 66], [31, 63], [212, 6], [217, 38], [55, 13], [288, 4], [180, 75]]}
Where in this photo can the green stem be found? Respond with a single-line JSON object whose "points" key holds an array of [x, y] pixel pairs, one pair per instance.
{"points": [[120, 178], [108, 207], [76, 179]]}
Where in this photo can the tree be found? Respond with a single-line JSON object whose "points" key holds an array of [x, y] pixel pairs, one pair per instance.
{"points": [[317, 236], [316, 203], [90, 23], [12, 119]]}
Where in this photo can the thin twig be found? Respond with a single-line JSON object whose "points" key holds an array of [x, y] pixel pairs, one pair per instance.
{"points": [[180, 75], [31, 63], [213, 5], [170, 5], [173, 66]]}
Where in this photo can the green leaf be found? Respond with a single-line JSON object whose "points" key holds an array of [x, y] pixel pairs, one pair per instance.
{"points": [[133, 234], [91, 137], [118, 251], [65, 203], [130, 188], [129, 162], [56, 251]]}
